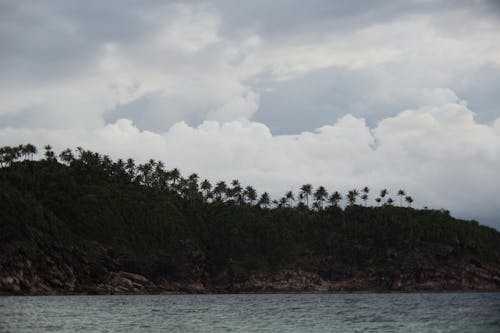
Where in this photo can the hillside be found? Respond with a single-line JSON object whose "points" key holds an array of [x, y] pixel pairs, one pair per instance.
{"points": [[82, 223]]}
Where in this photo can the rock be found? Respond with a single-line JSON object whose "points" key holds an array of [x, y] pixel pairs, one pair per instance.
{"points": [[125, 282], [196, 287], [133, 277], [10, 284], [119, 281]]}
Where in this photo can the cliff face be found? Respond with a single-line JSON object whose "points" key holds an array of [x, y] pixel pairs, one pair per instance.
{"points": [[72, 271]]}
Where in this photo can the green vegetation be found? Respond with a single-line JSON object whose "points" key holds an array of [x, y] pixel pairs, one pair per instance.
{"points": [[83, 200]]}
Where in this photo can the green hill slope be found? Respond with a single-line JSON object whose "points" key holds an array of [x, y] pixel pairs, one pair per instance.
{"points": [[90, 225]]}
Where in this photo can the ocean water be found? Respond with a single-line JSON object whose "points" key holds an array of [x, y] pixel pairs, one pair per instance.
{"points": [[460, 312]]}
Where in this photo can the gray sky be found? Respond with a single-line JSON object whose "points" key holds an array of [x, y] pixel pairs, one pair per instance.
{"points": [[277, 93]]}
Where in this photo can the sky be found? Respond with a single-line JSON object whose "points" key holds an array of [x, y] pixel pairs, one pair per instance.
{"points": [[346, 94]]}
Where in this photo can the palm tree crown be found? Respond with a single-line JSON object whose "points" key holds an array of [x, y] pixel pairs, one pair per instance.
{"points": [[264, 200], [153, 174], [409, 200], [352, 196], [305, 191], [383, 193], [401, 194], [320, 196], [250, 194], [334, 199]]}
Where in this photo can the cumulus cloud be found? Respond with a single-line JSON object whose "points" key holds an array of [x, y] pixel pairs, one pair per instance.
{"points": [[70, 67], [438, 154], [180, 70]]}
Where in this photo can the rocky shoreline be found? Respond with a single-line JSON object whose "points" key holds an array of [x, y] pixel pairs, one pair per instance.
{"points": [[48, 269], [65, 281]]}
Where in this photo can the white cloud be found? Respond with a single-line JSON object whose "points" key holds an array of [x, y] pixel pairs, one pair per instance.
{"points": [[190, 71], [192, 30]]}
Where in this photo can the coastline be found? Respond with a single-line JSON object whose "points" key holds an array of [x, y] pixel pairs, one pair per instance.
{"points": [[179, 293], [285, 282]]}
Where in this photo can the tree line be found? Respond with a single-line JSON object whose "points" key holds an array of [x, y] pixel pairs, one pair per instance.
{"points": [[154, 174]]}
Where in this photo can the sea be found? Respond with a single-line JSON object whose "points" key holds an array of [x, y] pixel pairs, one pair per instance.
{"points": [[439, 312]]}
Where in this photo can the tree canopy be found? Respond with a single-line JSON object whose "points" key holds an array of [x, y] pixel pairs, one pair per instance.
{"points": [[84, 199]]}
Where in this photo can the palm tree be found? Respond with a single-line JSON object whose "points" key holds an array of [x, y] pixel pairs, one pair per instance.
{"points": [[237, 191], [130, 168], [23, 153], [160, 166], [220, 190], [107, 163], [30, 150], [352, 196], [366, 190], [378, 200], [192, 183], [3, 163], [401, 194], [80, 151], [206, 187], [364, 197], [20, 151], [67, 156], [264, 200], [383, 193], [335, 198], [158, 175], [15, 153], [146, 170], [305, 191], [250, 194], [194, 178], [320, 196], [140, 174], [174, 175], [409, 200], [182, 187], [390, 201], [5, 158], [12, 155], [290, 198], [192, 187], [49, 154], [301, 198], [119, 167]]}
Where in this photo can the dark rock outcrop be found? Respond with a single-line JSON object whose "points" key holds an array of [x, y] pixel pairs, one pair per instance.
{"points": [[59, 271]]}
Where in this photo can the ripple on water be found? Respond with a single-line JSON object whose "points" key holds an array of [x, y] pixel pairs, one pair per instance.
{"points": [[474, 312]]}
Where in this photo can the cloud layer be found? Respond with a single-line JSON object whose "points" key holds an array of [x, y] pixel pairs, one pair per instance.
{"points": [[66, 64]]}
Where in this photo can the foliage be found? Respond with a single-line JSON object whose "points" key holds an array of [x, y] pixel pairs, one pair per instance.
{"points": [[87, 200]]}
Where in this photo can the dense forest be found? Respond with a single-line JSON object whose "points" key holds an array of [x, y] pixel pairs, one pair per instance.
{"points": [[80, 222]]}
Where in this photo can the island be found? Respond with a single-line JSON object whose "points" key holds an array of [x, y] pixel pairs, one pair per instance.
{"points": [[80, 223]]}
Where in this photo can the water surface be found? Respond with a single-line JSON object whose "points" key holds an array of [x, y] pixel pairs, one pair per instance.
{"points": [[461, 312]]}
